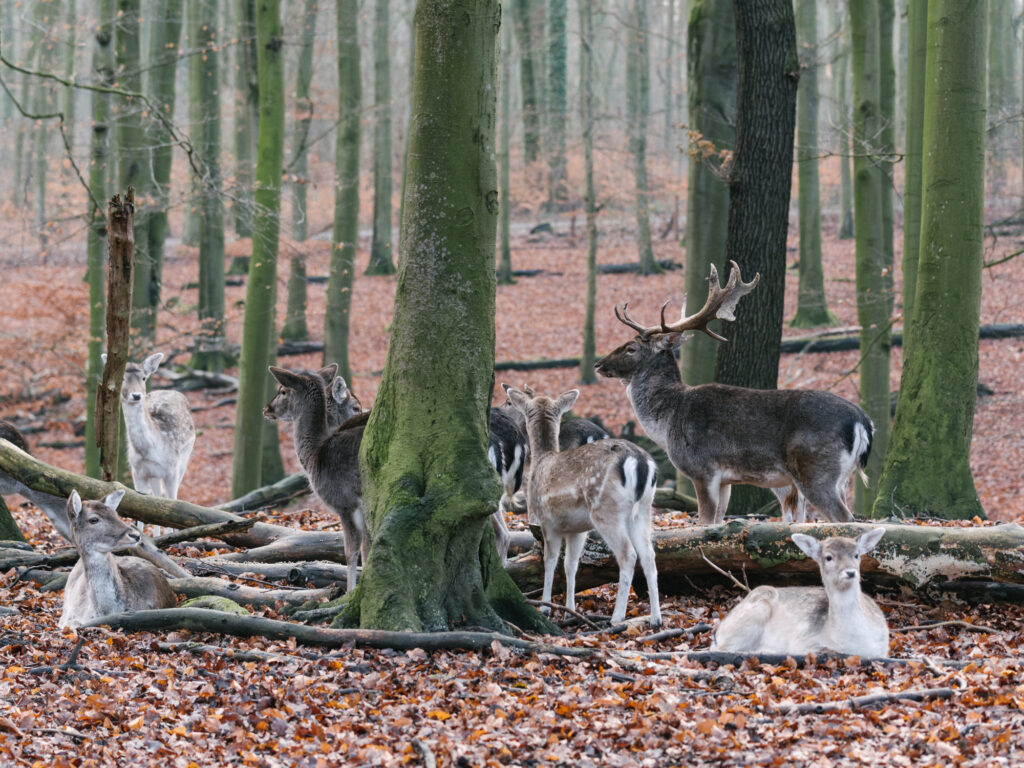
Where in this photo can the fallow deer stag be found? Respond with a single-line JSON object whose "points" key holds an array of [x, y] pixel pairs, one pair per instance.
{"points": [[607, 485], [718, 435]]}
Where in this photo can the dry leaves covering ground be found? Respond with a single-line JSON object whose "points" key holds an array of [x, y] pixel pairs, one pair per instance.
{"points": [[142, 700]]}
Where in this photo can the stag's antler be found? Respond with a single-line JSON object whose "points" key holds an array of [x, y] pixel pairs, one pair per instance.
{"points": [[721, 303]]}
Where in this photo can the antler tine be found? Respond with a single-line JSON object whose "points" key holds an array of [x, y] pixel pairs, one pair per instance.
{"points": [[721, 302], [627, 320]]}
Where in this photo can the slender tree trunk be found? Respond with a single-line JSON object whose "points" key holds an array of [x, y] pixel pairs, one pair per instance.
{"points": [[246, 117], [917, 29], [670, 77], [346, 191], [295, 328], [558, 190], [70, 49], [505, 247], [190, 225], [887, 138], [99, 156], [711, 77], [812, 306], [380, 249], [164, 53], [638, 90], [258, 325], [1000, 93], [872, 281], [842, 69], [527, 81], [587, 40], [42, 104], [133, 168], [429, 494], [759, 192], [209, 348], [927, 469]]}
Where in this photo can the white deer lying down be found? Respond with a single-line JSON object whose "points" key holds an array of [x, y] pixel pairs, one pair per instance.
{"points": [[606, 484], [101, 582], [800, 620]]}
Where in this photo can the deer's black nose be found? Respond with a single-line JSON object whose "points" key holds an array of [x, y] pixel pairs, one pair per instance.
{"points": [[136, 396]]}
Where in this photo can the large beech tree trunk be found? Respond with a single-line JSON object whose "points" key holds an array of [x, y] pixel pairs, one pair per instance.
{"points": [[428, 489]]}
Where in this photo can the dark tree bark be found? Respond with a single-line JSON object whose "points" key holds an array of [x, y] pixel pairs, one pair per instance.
{"points": [[428, 488], [381, 262], [759, 188], [587, 375], [527, 81], [558, 191]]}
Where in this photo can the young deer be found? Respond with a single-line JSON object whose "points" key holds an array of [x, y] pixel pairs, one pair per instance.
{"points": [[52, 506], [329, 457], [342, 404], [607, 485], [802, 620], [102, 583], [159, 428], [717, 435]]}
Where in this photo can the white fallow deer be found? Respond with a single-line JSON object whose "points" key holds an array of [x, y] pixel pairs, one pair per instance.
{"points": [[606, 485], [800, 620], [803, 444], [102, 583], [160, 431]]}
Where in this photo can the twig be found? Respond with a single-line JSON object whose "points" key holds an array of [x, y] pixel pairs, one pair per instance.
{"points": [[235, 654], [951, 623], [574, 612], [69, 732], [724, 572], [429, 761], [818, 708], [206, 530], [668, 634]]}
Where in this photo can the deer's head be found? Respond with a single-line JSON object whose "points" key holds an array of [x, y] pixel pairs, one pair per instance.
{"points": [[133, 388], [839, 557], [96, 526], [296, 386], [659, 341]]}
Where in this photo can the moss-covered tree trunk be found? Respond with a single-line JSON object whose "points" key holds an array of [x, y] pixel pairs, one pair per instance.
{"points": [[164, 52], [841, 68], [70, 41], [346, 191], [917, 29], [428, 488], [759, 191], [381, 262], [887, 138], [246, 117], [927, 468], [505, 276], [812, 306], [638, 97], [558, 190], [871, 270], [1001, 99], [9, 530], [96, 243], [527, 80], [711, 77], [587, 374], [210, 343], [295, 328], [258, 325]]}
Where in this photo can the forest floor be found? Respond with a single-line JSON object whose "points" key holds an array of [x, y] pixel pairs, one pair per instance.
{"points": [[137, 700]]}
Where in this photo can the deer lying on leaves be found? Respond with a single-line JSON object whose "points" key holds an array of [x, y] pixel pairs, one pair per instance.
{"points": [[330, 457], [102, 583], [800, 620], [796, 442], [607, 485]]}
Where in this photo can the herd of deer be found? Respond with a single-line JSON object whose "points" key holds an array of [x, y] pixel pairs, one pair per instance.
{"points": [[803, 445]]}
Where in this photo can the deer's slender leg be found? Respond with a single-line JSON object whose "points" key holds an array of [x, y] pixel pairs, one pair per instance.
{"points": [[552, 548], [573, 550]]}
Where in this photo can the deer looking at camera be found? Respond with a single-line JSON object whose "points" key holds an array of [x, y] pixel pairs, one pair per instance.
{"points": [[330, 457], [159, 429], [805, 441], [102, 583], [800, 620], [606, 484]]}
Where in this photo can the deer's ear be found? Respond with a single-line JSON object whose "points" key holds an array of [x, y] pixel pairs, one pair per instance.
{"points": [[151, 363], [519, 399], [285, 378], [74, 505], [565, 400], [113, 499], [103, 357], [810, 545], [339, 390], [868, 541], [669, 341], [328, 372]]}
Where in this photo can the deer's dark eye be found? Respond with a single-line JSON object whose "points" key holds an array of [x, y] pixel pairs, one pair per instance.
{"points": [[93, 520], [631, 349], [828, 558]]}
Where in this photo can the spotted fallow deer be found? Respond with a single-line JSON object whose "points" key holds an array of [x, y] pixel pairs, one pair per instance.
{"points": [[102, 583], [800, 620], [805, 441], [606, 485]]}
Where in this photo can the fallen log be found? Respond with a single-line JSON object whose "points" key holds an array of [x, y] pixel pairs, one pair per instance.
{"points": [[198, 586], [912, 555], [269, 495], [319, 573]]}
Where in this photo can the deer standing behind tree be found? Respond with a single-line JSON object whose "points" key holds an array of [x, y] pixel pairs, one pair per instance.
{"points": [[607, 485], [102, 583], [800, 620], [329, 457], [796, 442], [160, 431]]}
